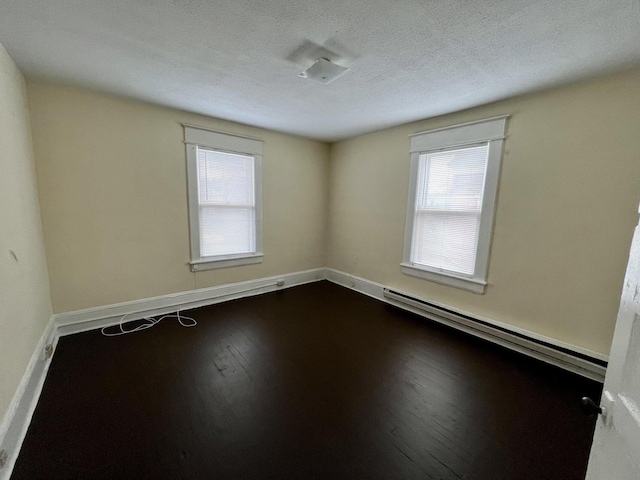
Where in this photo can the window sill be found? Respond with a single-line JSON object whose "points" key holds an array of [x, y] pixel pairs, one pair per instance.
{"points": [[225, 261], [469, 284]]}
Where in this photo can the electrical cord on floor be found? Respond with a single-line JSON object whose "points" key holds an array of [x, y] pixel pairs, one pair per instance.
{"points": [[150, 322]]}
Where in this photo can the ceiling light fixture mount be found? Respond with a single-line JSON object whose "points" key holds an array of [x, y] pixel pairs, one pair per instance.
{"points": [[323, 71]]}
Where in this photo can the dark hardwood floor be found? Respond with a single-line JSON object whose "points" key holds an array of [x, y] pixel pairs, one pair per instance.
{"points": [[313, 382]]}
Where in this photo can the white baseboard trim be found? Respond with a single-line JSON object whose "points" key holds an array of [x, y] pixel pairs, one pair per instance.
{"points": [[18, 416], [549, 350], [92, 318]]}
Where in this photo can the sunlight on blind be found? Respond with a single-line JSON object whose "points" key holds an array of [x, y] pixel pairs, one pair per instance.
{"points": [[448, 208], [227, 204]]}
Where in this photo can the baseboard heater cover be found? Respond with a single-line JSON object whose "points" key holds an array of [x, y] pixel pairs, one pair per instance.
{"points": [[577, 362]]}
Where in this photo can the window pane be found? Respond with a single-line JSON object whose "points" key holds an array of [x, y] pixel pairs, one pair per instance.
{"points": [[448, 206], [452, 180], [446, 241], [226, 230], [225, 178]]}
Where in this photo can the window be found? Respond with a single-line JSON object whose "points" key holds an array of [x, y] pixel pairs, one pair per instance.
{"points": [[454, 180], [225, 209]]}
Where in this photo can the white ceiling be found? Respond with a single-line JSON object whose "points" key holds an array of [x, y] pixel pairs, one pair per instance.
{"points": [[239, 59]]}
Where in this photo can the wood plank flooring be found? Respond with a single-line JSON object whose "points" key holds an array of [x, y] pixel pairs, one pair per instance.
{"points": [[313, 382]]}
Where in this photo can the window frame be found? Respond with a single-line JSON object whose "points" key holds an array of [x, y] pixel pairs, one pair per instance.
{"points": [[490, 131], [195, 137]]}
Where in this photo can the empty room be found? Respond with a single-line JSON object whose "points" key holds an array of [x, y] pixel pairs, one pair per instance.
{"points": [[319, 240]]}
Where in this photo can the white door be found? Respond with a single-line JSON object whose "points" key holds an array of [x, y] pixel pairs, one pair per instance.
{"points": [[615, 454]]}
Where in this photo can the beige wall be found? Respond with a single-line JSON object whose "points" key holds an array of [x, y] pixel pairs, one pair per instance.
{"points": [[568, 203], [111, 176], [25, 306], [113, 189]]}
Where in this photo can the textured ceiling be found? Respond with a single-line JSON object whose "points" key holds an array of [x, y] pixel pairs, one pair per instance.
{"points": [[239, 59]]}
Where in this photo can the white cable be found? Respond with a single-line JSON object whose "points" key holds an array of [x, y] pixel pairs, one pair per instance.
{"points": [[150, 322], [153, 321]]}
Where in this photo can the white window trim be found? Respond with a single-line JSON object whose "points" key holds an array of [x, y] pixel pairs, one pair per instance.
{"points": [[491, 131], [195, 137]]}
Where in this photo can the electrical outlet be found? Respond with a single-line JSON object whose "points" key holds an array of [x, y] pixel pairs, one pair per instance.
{"points": [[3, 458]]}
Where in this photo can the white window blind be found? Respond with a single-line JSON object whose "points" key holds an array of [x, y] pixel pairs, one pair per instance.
{"points": [[226, 203], [448, 208]]}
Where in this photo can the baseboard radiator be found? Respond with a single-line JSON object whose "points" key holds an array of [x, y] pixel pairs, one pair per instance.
{"points": [[568, 359]]}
